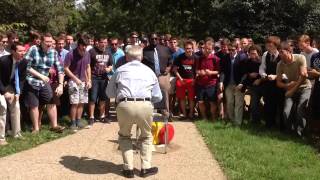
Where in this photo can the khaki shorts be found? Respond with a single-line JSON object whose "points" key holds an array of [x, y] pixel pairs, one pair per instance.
{"points": [[77, 94], [172, 89]]}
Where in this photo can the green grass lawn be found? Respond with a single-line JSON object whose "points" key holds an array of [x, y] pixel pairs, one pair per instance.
{"points": [[252, 152], [33, 140]]}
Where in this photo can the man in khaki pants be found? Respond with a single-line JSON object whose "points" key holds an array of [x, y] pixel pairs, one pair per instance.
{"points": [[135, 87], [11, 74]]}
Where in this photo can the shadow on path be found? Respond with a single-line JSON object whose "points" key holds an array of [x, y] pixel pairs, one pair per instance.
{"points": [[87, 165]]}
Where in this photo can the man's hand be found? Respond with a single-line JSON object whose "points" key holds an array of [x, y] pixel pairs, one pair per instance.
{"points": [[257, 82], [239, 87], [16, 97], [291, 84], [59, 90], [44, 78], [182, 81], [253, 75], [88, 84], [78, 81], [9, 97], [313, 73], [107, 69], [221, 87], [272, 77]]}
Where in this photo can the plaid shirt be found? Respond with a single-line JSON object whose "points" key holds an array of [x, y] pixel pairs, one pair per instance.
{"points": [[41, 62]]}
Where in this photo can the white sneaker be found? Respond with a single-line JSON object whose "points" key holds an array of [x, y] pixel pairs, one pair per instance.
{"points": [[18, 136], [3, 142]]}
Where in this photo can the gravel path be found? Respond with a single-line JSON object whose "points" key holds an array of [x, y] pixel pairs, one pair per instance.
{"points": [[93, 154]]}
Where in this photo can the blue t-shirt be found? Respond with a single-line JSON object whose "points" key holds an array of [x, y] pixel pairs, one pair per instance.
{"points": [[176, 54], [119, 54], [315, 62]]}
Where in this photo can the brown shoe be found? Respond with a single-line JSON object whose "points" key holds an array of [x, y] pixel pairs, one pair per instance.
{"points": [[57, 129]]}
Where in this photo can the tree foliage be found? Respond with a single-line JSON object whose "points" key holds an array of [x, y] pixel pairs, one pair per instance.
{"points": [[193, 18]]}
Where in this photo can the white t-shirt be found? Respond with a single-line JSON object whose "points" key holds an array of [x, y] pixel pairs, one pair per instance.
{"points": [[308, 56]]}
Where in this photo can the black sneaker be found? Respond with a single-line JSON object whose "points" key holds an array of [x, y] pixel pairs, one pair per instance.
{"points": [[128, 173], [148, 172]]}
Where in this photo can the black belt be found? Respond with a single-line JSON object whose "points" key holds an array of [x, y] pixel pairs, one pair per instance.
{"points": [[134, 99]]}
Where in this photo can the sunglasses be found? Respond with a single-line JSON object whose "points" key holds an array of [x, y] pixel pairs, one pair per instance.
{"points": [[113, 44]]}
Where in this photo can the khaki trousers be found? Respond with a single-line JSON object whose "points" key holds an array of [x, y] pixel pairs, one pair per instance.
{"points": [[140, 113], [235, 100], [164, 83], [14, 109]]}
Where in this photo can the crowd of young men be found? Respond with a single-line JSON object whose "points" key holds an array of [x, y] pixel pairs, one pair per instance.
{"points": [[60, 74]]}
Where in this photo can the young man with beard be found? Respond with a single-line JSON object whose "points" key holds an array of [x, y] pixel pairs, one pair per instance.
{"points": [[251, 79], [207, 71], [307, 50], [184, 69], [101, 65], [298, 87], [77, 68], [38, 92]]}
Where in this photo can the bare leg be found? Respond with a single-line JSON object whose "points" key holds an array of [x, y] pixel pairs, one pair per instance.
{"points": [[34, 115], [73, 112], [213, 110], [79, 111], [191, 107], [202, 108], [183, 106], [91, 109], [52, 113], [102, 108]]}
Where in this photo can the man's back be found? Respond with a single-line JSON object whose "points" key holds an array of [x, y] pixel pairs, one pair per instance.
{"points": [[135, 79]]}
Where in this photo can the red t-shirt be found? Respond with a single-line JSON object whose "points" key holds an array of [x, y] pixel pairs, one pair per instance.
{"points": [[211, 63]]}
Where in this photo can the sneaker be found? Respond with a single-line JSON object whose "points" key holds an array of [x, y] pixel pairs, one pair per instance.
{"points": [[74, 127], [105, 120], [3, 142], [90, 123], [18, 136], [79, 124], [57, 129]]}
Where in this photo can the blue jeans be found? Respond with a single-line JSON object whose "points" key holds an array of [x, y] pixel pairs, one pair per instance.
{"points": [[295, 108]]}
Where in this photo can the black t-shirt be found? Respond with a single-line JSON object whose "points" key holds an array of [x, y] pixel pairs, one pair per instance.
{"points": [[186, 65], [99, 61]]}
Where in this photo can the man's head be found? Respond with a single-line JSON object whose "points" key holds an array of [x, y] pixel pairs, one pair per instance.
{"points": [[304, 42], [224, 43], [188, 47], [134, 37], [60, 44], [134, 53], [3, 41], [208, 46], [285, 52], [254, 52], [173, 43], [153, 39], [114, 44], [35, 38], [201, 45], [244, 43], [69, 40], [17, 51], [232, 49], [46, 41], [83, 42], [167, 38], [272, 43], [12, 37], [162, 40], [103, 43]]}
